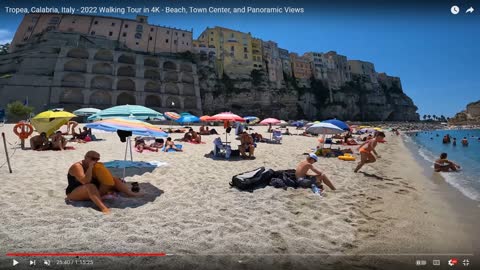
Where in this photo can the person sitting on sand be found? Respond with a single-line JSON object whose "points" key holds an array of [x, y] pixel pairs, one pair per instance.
{"points": [[212, 131], [306, 179], [195, 137], [83, 184], [58, 141], [444, 165], [169, 144], [40, 142], [71, 125], [81, 137], [187, 136], [257, 137], [158, 143], [204, 130], [464, 141], [287, 132], [140, 145], [366, 150], [247, 144]]}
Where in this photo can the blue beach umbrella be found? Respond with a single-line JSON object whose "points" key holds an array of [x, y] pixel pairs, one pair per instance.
{"points": [[252, 119], [298, 124], [133, 111], [337, 123], [187, 118], [86, 111]]}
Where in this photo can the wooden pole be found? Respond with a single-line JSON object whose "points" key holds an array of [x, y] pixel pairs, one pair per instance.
{"points": [[6, 152]]}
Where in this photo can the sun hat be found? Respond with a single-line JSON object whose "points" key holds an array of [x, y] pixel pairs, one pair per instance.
{"points": [[312, 155]]}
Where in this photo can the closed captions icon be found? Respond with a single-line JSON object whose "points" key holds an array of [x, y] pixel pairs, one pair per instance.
{"points": [[455, 10]]}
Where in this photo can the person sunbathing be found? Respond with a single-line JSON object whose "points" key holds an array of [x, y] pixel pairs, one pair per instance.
{"points": [[306, 179], [81, 137], [204, 130], [197, 138], [188, 136], [141, 145], [58, 141], [83, 184], [158, 143], [444, 165], [247, 144], [39, 142], [171, 145]]}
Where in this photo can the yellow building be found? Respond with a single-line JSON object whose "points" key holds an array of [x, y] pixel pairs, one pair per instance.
{"points": [[257, 53], [136, 34], [233, 50]]}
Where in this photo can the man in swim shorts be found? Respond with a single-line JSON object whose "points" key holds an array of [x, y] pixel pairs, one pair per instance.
{"points": [[444, 165], [366, 150], [305, 180]]}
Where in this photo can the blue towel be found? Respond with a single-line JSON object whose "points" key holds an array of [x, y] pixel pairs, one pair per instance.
{"points": [[179, 146]]}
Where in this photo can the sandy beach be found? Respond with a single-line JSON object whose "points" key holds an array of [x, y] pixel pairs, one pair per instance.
{"points": [[189, 210]]}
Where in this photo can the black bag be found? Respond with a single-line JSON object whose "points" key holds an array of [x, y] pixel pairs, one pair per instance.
{"points": [[284, 179], [258, 178]]}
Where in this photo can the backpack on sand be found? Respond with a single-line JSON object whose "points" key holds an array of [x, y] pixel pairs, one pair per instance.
{"points": [[258, 178]]}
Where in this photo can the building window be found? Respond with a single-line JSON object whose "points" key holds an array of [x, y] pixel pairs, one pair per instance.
{"points": [[54, 20], [73, 21], [166, 40], [139, 28], [25, 38], [168, 32], [151, 38], [95, 22], [211, 39], [126, 25], [231, 54], [92, 33], [110, 34], [136, 43], [124, 34], [175, 42], [187, 43], [151, 29], [183, 34], [176, 34], [245, 50], [245, 56], [211, 33], [232, 48], [113, 24], [138, 35], [29, 28]]}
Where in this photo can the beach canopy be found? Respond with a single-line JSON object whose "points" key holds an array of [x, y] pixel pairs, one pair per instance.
{"points": [[324, 128], [133, 111], [172, 115], [252, 119], [187, 118], [51, 121], [338, 123], [268, 121], [311, 124], [137, 127], [86, 111], [227, 116]]}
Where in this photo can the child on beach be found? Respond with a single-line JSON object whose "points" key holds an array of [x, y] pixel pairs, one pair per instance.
{"points": [[366, 150], [444, 165]]}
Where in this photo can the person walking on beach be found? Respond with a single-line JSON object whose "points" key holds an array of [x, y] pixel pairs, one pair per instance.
{"points": [[306, 180], [84, 182], [444, 165], [366, 150]]}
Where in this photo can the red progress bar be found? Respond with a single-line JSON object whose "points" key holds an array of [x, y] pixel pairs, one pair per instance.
{"points": [[88, 254]]}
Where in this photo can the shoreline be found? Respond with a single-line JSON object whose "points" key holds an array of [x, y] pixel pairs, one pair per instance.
{"points": [[433, 217]]}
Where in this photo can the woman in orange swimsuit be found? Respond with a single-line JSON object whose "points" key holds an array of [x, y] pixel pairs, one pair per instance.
{"points": [[366, 150]]}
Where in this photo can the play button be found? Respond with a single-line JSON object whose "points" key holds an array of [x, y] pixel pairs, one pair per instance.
{"points": [[15, 262]]}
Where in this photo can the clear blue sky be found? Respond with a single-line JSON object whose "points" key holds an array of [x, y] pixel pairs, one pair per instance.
{"points": [[435, 53]]}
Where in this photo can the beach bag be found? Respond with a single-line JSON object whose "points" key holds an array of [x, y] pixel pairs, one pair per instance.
{"points": [[284, 179], [258, 178]]}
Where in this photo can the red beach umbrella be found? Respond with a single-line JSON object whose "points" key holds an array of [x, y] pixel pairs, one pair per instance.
{"points": [[226, 117]]}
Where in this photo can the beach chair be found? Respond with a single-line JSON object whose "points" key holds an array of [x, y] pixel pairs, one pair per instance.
{"points": [[221, 149], [277, 136]]}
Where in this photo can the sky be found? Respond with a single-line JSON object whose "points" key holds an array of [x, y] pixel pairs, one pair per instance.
{"points": [[435, 53]]}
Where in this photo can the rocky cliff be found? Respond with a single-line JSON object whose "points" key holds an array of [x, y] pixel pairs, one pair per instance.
{"points": [[257, 96], [469, 116]]}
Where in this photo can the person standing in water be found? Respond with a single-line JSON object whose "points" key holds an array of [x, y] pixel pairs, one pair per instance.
{"points": [[464, 141], [366, 150]]}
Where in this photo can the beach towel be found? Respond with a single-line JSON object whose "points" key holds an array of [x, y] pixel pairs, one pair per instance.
{"points": [[179, 146]]}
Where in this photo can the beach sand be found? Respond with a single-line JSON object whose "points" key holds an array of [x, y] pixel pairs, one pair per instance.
{"points": [[190, 211]]}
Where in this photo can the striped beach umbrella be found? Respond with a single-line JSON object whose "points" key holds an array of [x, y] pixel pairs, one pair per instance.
{"points": [[137, 127], [252, 119], [205, 118], [172, 115], [227, 116], [133, 111]]}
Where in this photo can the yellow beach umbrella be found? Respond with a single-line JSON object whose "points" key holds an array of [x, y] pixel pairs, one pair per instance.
{"points": [[51, 121], [377, 129]]}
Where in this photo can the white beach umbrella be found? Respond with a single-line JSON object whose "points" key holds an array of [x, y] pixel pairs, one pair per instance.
{"points": [[324, 129]]}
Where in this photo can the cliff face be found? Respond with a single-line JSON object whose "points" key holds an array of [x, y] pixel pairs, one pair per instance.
{"points": [[469, 116], [259, 97]]}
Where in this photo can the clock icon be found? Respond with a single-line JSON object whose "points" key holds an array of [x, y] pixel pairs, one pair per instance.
{"points": [[455, 10]]}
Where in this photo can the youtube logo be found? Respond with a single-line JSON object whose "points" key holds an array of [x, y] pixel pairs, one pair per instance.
{"points": [[452, 261]]}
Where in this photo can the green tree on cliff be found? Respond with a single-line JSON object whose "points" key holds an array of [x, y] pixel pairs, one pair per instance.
{"points": [[17, 110], [424, 117]]}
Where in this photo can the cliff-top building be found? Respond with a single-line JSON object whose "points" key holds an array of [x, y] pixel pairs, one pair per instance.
{"points": [[273, 63], [137, 34], [364, 69], [301, 69]]}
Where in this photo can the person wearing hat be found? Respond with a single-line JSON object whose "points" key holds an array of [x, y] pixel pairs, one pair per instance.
{"points": [[306, 179]]}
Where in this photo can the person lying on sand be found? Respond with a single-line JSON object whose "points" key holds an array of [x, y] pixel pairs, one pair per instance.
{"points": [[40, 142], [171, 145], [195, 137], [306, 179], [366, 150], [444, 165], [158, 143], [83, 184], [140, 145]]}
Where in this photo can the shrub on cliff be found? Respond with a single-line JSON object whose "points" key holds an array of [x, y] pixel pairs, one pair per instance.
{"points": [[17, 110]]}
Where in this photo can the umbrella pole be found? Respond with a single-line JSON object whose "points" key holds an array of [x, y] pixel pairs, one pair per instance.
{"points": [[131, 156]]}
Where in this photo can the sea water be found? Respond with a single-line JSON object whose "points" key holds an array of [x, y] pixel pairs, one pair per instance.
{"points": [[429, 146]]}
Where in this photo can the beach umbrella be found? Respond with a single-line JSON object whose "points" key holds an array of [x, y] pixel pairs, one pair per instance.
{"points": [[283, 123], [187, 118], [205, 118], [324, 129], [367, 130], [226, 117], [86, 111], [269, 121], [134, 111], [252, 120], [298, 124], [51, 121], [172, 115], [338, 123]]}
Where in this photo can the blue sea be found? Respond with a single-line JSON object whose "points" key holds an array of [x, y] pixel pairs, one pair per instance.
{"points": [[430, 146]]}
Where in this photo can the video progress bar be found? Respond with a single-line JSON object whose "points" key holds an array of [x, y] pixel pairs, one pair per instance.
{"points": [[85, 254]]}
